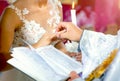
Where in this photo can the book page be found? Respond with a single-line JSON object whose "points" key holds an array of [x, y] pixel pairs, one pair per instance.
{"points": [[56, 58], [44, 64]]}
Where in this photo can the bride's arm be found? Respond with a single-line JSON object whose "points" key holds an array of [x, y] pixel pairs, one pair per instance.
{"points": [[60, 45], [45, 40], [8, 24]]}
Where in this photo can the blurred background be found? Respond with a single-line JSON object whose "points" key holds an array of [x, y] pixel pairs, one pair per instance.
{"points": [[97, 15]]}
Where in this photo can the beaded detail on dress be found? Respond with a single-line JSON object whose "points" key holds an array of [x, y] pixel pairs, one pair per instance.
{"points": [[32, 31]]}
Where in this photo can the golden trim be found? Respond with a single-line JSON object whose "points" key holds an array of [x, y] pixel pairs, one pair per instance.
{"points": [[102, 67]]}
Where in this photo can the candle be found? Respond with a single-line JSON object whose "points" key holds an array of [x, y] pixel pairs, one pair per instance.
{"points": [[73, 13]]}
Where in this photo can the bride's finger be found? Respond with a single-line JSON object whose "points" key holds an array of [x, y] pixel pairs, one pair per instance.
{"points": [[60, 34]]}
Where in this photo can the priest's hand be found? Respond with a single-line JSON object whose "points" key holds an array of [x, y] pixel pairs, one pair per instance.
{"points": [[69, 31], [73, 75]]}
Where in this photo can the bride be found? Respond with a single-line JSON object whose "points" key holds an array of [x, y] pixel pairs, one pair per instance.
{"points": [[27, 20]]}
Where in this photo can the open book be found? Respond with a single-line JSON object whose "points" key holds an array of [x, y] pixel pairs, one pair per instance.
{"points": [[44, 64]]}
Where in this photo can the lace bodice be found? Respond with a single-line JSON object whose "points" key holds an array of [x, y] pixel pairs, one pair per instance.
{"points": [[30, 30]]}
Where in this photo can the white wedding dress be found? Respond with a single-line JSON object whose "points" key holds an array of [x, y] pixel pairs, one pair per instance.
{"points": [[31, 32], [94, 47]]}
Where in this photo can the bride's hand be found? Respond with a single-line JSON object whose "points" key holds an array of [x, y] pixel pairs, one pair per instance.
{"points": [[76, 55], [46, 39]]}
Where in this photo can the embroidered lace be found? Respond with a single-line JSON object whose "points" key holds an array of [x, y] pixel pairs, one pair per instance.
{"points": [[32, 31]]}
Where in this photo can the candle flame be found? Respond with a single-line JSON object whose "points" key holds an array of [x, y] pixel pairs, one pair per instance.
{"points": [[73, 4]]}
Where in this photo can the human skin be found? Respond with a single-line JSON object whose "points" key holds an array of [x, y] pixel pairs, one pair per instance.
{"points": [[10, 22]]}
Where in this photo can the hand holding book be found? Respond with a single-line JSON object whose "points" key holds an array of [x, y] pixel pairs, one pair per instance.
{"points": [[44, 63]]}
